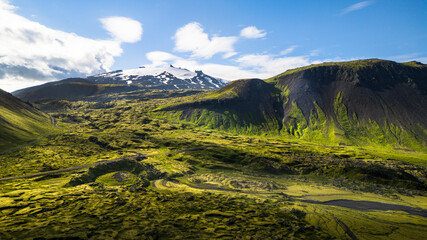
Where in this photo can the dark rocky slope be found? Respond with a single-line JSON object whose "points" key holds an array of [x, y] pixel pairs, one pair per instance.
{"points": [[382, 91], [357, 102], [69, 89], [249, 102]]}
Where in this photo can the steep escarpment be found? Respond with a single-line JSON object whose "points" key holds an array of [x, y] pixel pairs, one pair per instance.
{"points": [[357, 103], [373, 89], [376, 100]]}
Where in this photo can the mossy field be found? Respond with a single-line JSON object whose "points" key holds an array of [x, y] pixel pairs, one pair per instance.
{"points": [[136, 174]]}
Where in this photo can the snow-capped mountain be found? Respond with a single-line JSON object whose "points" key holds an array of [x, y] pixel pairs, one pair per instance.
{"points": [[160, 78]]}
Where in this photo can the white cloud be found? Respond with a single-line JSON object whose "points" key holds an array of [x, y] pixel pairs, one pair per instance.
{"points": [[421, 60], [417, 56], [192, 38], [227, 72], [229, 54], [31, 53], [288, 50], [15, 82], [355, 7], [159, 58], [404, 57], [6, 6], [252, 32], [123, 29], [270, 64]]}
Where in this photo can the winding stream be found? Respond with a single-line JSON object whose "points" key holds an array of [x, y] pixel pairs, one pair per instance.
{"points": [[368, 205]]}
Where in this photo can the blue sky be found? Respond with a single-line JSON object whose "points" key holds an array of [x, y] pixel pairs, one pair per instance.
{"points": [[206, 35]]}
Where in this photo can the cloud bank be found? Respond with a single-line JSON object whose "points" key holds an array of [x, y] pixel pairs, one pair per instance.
{"points": [[31, 53], [247, 66], [192, 38]]}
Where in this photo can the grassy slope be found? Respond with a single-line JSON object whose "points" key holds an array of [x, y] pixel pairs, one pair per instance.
{"points": [[20, 123]]}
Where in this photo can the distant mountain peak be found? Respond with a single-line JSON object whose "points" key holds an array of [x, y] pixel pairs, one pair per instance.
{"points": [[167, 77]]}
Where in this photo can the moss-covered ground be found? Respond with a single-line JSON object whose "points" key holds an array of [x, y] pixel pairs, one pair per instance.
{"points": [[200, 184]]}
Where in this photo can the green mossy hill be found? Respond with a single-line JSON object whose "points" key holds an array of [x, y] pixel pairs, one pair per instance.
{"points": [[357, 102], [20, 122], [249, 105], [69, 89], [145, 172]]}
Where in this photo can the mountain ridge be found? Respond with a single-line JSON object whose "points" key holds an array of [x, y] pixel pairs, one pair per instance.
{"points": [[69, 89], [121, 81], [376, 101]]}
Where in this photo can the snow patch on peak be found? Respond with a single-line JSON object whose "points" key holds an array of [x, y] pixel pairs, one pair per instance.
{"points": [[177, 72], [169, 76], [211, 81]]}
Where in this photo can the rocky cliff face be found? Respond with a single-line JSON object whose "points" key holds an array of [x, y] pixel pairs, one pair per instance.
{"points": [[382, 91], [366, 101]]}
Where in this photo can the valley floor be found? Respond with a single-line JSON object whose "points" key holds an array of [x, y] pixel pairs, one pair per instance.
{"points": [[133, 176]]}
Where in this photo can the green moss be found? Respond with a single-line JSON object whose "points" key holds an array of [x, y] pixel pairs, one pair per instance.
{"points": [[223, 120], [297, 124], [220, 94], [228, 185], [20, 126], [341, 114], [117, 179], [318, 129], [414, 64], [285, 94]]}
